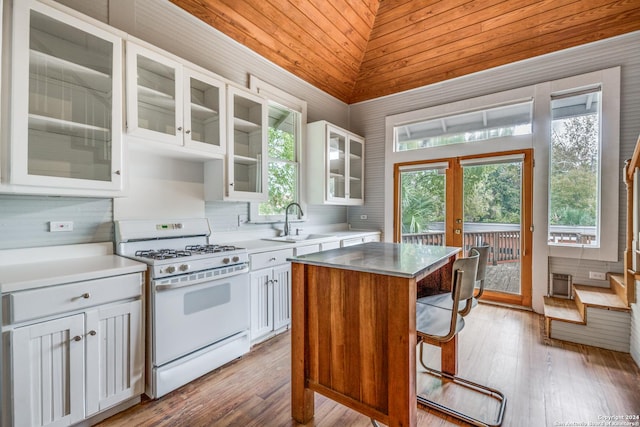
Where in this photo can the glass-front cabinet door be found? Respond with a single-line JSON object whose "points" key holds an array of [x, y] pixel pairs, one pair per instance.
{"points": [[356, 170], [154, 96], [204, 112], [66, 86], [246, 155], [337, 164]]}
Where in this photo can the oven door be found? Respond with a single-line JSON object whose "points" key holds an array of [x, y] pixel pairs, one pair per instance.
{"points": [[188, 317]]}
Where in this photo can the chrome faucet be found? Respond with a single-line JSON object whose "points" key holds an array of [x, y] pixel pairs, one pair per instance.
{"points": [[286, 216]]}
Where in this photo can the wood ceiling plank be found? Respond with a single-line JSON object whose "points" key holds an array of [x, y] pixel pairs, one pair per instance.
{"points": [[295, 33], [472, 41], [391, 10], [317, 25], [422, 36], [602, 28], [261, 36], [333, 19]]}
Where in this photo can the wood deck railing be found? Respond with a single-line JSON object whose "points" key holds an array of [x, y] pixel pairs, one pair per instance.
{"points": [[505, 245]]}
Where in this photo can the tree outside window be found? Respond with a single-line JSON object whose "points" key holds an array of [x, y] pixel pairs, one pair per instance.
{"points": [[282, 165]]}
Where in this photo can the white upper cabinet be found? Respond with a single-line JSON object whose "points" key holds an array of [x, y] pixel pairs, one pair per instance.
{"points": [[171, 103], [66, 104], [247, 145], [335, 161]]}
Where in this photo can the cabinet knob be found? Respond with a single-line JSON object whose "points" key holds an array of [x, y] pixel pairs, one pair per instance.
{"points": [[188, 132], [272, 259], [275, 281], [86, 295], [180, 128], [77, 338], [93, 333], [117, 173]]}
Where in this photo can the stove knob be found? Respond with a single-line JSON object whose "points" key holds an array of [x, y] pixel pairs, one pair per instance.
{"points": [[226, 260], [236, 258], [170, 269], [184, 267]]}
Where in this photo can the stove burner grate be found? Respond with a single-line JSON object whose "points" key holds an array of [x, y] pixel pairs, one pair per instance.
{"points": [[162, 253], [210, 249]]}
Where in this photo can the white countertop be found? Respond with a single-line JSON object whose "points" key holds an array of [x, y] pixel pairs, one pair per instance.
{"points": [[261, 245], [62, 264]]}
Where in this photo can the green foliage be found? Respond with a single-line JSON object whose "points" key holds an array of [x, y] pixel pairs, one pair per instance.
{"points": [[423, 200], [282, 172]]}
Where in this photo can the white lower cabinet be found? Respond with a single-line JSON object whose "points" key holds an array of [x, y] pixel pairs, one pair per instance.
{"points": [[270, 279], [70, 368], [270, 301]]}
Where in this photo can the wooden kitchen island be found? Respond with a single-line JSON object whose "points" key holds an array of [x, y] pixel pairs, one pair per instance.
{"points": [[354, 328]]}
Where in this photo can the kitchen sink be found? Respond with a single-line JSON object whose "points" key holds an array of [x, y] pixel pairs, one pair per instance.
{"points": [[300, 237]]}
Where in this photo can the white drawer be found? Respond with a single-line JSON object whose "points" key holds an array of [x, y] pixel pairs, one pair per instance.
{"points": [[308, 249], [351, 242], [329, 245], [42, 302], [371, 238], [270, 259]]}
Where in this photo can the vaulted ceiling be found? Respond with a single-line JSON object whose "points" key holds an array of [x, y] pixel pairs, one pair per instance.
{"points": [[357, 50]]}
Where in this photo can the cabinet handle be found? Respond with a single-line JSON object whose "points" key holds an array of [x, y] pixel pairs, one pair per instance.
{"points": [[93, 333], [86, 295], [77, 338]]}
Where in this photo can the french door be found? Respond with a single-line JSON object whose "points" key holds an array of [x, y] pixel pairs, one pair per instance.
{"points": [[472, 201]]}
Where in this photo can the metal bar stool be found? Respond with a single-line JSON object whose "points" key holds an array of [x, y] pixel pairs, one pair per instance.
{"points": [[436, 325]]}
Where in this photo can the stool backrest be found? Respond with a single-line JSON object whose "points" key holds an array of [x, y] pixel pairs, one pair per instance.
{"points": [[464, 278], [483, 251]]}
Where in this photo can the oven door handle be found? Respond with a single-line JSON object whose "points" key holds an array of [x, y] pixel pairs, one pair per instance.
{"points": [[184, 284]]}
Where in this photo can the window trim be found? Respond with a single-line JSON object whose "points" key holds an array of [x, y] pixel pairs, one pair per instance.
{"points": [[609, 171], [284, 99], [539, 140]]}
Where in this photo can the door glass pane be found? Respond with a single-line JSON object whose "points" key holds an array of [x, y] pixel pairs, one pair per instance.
{"points": [[205, 118], [156, 96], [492, 207], [70, 103], [423, 206], [337, 165]]}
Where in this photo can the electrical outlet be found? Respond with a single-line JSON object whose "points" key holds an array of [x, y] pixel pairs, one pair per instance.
{"points": [[55, 226], [363, 217], [597, 275]]}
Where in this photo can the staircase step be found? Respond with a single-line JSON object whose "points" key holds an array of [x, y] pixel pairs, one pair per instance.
{"points": [[618, 286], [604, 298], [562, 309]]}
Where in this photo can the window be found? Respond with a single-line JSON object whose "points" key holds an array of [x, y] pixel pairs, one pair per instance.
{"points": [[489, 123], [282, 165], [287, 120], [574, 163]]}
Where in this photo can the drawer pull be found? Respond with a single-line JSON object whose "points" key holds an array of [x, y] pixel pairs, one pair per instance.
{"points": [[86, 295], [93, 333], [77, 338]]}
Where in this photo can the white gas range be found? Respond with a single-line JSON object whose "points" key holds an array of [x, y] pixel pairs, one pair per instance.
{"points": [[197, 299]]}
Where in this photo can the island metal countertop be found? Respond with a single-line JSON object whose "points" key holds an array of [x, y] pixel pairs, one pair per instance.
{"points": [[391, 259]]}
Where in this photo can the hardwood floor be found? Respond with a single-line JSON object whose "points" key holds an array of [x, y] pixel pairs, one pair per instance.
{"points": [[547, 382]]}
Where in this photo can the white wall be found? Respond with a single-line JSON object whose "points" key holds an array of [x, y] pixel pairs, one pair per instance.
{"points": [[163, 187], [368, 119]]}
